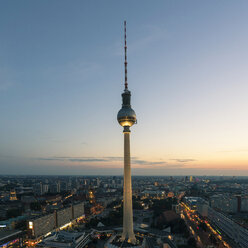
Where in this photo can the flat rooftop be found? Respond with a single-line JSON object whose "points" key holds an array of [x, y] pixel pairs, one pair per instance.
{"points": [[5, 234]]}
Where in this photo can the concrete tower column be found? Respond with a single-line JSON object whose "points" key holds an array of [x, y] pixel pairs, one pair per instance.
{"points": [[127, 191], [127, 118]]}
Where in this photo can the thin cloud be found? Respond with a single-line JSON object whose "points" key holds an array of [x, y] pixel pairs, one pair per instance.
{"points": [[114, 158], [87, 160], [134, 160], [48, 159], [186, 160], [146, 162], [74, 159]]}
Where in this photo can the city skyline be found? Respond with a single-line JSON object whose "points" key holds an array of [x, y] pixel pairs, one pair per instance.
{"points": [[61, 71]]}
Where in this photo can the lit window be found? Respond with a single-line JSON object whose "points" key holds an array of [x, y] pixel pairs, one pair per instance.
{"points": [[30, 225]]}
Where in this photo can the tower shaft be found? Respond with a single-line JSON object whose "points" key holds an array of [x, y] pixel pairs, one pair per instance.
{"points": [[126, 118], [127, 191]]}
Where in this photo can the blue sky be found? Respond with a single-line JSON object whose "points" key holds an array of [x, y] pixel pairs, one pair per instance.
{"points": [[61, 78]]}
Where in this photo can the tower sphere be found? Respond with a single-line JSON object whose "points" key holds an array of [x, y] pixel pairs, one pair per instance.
{"points": [[126, 117]]}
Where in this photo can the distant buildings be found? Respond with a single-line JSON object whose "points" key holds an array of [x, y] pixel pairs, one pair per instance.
{"points": [[155, 194], [234, 231], [13, 195], [244, 204], [66, 239], [11, 238], [229, 203], [42, 225], [223, 222], [191, 179], [46, 202]]}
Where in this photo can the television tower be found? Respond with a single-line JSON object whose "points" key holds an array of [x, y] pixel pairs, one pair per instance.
{"points": [[126, 118]]}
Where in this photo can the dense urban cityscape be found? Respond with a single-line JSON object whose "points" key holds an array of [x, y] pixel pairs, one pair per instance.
{"points": [[69, 178], [84, 211]]}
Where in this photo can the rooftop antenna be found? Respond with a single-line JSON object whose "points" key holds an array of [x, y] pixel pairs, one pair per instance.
{"points": [[125, 48]]}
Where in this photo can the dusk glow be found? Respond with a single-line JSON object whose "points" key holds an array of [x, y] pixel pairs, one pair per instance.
{"points": [[62, 75]]}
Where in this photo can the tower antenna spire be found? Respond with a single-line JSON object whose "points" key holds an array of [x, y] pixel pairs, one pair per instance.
{"points": [[125, 49]]}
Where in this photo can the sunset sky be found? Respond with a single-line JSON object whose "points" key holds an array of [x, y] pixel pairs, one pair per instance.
{"points": [[62, 75]]}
